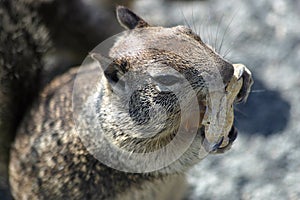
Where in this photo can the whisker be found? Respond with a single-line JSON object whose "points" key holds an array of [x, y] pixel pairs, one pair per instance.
{"points": [[193, 20], [205, 27], [225, 33], [185, 19], [232, 44], [241, 112], [258, 91], [228, 51], [199, 29], [218, 30], [211, 35], [205, 30]]}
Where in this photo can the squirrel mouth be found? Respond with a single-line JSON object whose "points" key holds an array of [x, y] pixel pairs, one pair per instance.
{"points": [[237, 90], [217, 114], [219, 147], [222, 145]]}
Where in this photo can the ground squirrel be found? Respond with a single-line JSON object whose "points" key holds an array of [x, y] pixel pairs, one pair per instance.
{"points": [[155, 72]]}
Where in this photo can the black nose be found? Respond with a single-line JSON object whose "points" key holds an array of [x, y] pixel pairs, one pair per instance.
{"points": [[245, 90]]}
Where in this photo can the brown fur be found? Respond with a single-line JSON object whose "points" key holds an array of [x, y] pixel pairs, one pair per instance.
{"points": [[49, 160]]}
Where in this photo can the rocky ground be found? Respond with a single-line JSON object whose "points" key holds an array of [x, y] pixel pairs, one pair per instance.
{"points": [[264, 162]]}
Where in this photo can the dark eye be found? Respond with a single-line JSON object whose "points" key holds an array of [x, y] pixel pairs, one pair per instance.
{"points": [[167, 79]]}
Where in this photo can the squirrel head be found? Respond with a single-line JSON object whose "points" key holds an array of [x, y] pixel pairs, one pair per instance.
{"points": [[161, 79]]}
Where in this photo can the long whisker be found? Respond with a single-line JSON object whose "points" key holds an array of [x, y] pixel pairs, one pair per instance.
{"points": [[205, 30], [232, 45], [185, 19], [211, 35], [225, 34], [193, 21], [199, 28], [241, 112], [218, 31], [258, 91]]}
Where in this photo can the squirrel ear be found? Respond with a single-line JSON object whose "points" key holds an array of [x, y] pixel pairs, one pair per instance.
{"points": [[129, 19]]}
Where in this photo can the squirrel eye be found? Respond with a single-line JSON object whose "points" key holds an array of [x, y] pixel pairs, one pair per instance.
{"points": [[167, 79]]}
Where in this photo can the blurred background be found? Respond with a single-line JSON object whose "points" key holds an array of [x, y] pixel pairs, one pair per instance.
{"points": [[264, 162]]}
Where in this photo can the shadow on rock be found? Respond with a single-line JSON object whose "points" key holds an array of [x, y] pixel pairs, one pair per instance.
{"points": [[4, 194], [265, 112]]}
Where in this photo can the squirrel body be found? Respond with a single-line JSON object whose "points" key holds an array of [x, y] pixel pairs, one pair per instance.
{"points": [[49, 160]]}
